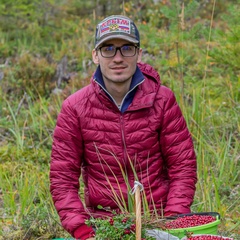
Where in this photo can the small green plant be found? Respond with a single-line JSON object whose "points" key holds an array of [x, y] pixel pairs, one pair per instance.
{"points": [[119, 226]]}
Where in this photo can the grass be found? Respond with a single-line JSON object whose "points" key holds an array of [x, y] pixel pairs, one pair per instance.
{"points": [[200, 64]]}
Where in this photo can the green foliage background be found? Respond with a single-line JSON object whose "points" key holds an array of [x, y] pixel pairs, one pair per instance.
{"points": [[45, 55]]}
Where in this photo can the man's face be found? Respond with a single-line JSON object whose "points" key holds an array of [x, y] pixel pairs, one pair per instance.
{"points": [[117, 69]]}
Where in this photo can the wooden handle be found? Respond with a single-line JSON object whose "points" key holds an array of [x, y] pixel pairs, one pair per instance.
{"points": [[138, 213]]}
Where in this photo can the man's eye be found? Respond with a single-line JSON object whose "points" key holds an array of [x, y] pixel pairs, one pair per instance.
{"points": [[127, 48], [108, 49]]}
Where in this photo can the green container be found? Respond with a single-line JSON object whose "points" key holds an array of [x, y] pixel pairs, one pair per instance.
{"points": [[209, 228]]}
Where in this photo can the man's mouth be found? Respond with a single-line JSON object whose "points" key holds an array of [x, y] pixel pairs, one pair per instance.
{"points": [[118, 68]]}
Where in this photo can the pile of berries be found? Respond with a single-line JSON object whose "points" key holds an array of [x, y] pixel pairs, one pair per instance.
{"points": [[190, 221], [208, 237]]}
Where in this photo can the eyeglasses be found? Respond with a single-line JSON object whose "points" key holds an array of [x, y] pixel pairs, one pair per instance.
{"points": [[110, 51]]}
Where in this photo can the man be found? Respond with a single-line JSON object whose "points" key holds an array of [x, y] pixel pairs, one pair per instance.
{"points": [[124, 126]]}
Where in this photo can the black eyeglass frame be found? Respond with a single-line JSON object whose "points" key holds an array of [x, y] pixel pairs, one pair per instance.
{"points": [[119, 48]]}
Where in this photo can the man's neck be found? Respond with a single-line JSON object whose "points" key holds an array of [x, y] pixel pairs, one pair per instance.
{"points": [[118, 90]]}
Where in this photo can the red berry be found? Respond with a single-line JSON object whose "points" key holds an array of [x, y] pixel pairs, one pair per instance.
{"points": [[133, 227], [111, 221], [127, 231]]}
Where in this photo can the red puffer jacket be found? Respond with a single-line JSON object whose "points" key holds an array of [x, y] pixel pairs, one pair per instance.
{"points": [[94, 138]]}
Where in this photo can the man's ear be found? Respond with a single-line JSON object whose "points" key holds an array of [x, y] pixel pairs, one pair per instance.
{"points": [[95, 56], [139, 57]]}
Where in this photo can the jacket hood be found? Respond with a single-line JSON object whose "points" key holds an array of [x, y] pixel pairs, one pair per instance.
{"points": [[149, 72]]}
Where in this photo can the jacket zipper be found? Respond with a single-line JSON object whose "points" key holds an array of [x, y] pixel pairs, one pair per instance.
{"points": [[126, 169], [124, 148]]}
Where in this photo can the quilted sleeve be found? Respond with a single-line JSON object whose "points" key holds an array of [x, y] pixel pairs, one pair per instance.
{"points": [[179, 156], [65, 169]]}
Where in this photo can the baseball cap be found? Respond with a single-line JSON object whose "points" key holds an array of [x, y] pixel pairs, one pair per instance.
{"points": [[115, 27]]}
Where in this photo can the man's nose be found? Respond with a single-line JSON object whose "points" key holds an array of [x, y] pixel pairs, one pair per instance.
{"points": [[118, 56]]}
